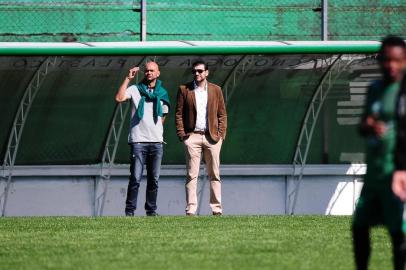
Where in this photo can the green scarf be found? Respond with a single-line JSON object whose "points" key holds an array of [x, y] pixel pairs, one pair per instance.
{"points": [[156, 96]]}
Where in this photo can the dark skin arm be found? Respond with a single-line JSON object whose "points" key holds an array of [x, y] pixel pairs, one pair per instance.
{"points": [[371, 126]]}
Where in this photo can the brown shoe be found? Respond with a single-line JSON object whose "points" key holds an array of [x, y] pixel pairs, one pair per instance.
{"points": [[217, 213]]}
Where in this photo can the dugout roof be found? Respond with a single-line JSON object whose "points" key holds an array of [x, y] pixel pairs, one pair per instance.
{"points": [[267, 94]]}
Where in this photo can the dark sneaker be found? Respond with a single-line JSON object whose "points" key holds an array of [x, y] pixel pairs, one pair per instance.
{"points": [[152, 214], [190, 214], [217, 213], [129, 213]]}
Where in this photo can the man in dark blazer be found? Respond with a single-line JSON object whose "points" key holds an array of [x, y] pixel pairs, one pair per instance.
{"points": [[201, 123]]}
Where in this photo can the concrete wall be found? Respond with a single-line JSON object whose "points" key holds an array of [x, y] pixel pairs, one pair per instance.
{"points": [[247, 190]]}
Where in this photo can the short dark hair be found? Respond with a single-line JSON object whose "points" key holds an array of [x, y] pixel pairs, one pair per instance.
{"points": [[392, 41], [200, 62]]}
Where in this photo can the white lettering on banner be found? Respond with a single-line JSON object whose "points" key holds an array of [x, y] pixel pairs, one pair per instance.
{"points": [[346, 116]]}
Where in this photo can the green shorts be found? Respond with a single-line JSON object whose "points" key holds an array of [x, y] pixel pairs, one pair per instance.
{"points": [[379, 206]]}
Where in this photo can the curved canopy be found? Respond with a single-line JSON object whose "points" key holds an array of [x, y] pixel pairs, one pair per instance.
{"points": [[267, 97]]}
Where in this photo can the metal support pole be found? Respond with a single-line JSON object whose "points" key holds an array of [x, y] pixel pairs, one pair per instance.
{"points": [[74, 49], [324, 21], [109, 153], [143, 20], [232, 79], [336, 67], [18, 126], [202, 180]]}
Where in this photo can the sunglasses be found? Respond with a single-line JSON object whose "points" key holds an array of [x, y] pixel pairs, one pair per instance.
{"points": [[200, 71]]}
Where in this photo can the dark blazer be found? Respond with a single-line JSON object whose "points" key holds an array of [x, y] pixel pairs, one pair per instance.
{"points": [[185, 115]]}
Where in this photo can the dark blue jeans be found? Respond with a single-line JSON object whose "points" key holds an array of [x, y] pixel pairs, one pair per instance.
{"points": [[149, 154]]}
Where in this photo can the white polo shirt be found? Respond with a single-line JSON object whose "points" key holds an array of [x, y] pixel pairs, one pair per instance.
{"points": [[145, 129]]}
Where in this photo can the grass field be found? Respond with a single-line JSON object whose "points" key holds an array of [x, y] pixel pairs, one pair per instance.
{"points": [[228, 242]]}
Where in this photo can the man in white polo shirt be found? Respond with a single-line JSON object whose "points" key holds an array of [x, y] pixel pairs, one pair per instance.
{"points": [[149, 106]]}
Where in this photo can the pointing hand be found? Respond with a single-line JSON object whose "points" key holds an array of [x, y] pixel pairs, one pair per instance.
{"points": [[132, 72]]}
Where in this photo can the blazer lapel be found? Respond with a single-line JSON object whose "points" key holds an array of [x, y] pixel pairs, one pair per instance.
{"points": [[194, 98], [190, 88]]}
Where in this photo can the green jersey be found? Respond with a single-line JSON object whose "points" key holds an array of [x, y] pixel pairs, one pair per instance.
{"points": [[381, 104], [377, 204]]}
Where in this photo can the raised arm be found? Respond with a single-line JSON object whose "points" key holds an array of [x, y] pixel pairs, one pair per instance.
{"points": [[121, 94]]}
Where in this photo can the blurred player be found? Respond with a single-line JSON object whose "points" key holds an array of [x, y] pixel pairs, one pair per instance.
{"points": [[399, 177], [378, 205]]}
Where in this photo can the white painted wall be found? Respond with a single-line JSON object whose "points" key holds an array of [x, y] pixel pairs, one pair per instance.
{"points": [[248, 190]]}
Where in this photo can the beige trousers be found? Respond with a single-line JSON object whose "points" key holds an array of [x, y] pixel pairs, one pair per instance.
{"points": [[195, 145]]}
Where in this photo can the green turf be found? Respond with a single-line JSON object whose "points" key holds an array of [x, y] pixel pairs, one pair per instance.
{"points": [[228, 242]]}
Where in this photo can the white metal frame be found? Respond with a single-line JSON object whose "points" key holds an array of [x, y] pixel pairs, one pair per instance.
{"points": [[236, 73], [18, 126], [109, 153], [336, 67]]}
